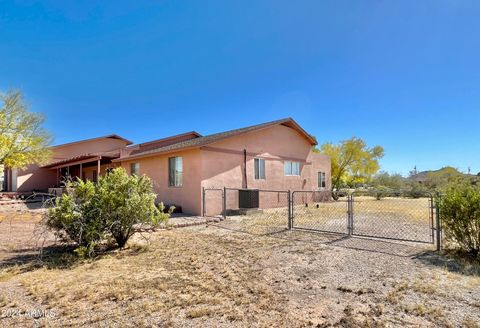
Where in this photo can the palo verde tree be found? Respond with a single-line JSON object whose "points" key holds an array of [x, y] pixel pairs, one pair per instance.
{"points": [[23, 140], [352, 161]]}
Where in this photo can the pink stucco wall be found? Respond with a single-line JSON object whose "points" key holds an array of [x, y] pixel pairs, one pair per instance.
{"points": [[86, 147], [223, 165], [217, 165], [36, 178], [156, 167]]}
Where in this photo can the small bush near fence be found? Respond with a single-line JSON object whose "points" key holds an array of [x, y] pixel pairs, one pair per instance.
{"points": [[88, 214], [460, 213]]}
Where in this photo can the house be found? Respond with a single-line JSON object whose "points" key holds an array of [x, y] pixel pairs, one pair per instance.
{"points": [[277, 155]]}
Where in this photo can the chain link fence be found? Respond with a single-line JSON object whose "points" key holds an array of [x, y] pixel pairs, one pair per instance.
{"points": [[376, 214], [394, 215], [318, 211], [256, 211]]}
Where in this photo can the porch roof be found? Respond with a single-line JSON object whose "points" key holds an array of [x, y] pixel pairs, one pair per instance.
{"points": [[80, 159]]}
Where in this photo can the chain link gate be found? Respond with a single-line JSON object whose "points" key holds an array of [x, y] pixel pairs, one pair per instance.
{"points": [[376, 214], [257, 211], [317, 211], [397, 215], [393, 215]]}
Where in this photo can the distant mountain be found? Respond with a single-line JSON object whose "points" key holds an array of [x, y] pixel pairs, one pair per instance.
{"points": [[445, 173]]}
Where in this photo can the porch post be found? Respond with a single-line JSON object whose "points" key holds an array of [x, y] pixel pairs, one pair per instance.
{"points": [[81, 173], [98, 167]]}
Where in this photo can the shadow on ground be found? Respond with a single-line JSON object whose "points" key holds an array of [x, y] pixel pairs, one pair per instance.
{"points": [[51, 257], [452, 261], [394, 248]]}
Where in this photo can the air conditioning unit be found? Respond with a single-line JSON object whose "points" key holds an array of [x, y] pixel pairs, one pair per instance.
{"points": [[248, 198]]}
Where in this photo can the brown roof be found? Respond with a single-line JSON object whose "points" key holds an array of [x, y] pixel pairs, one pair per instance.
{"points": [[202, 141], [70, 160], [155, 144], [84, 157], [110, 136]]}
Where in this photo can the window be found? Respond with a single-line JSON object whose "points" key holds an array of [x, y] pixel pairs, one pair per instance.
{"points": [[175, 171], [94, 176], [291, 168], [321, 180], [135, 169], [259, 164]]}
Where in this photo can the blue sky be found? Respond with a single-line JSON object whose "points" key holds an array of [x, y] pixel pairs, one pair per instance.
{"points": [[401, 74]]}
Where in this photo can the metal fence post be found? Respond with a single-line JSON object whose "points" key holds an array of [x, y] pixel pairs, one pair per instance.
{"points": [[224, 209], [203, 201], [350, 214], [438, 224], [289, 200]]}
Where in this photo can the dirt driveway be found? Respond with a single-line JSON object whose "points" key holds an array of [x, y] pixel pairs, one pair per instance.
{"points": [[215, 276]]}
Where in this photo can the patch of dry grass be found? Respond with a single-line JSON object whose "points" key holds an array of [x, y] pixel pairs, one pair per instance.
{"points": [[172, 279], [216, 277]]}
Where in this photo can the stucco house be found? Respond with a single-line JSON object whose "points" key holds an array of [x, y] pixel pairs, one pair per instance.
{"points": [[274, 155]]}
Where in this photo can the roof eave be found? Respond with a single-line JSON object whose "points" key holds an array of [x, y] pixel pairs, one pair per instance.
{"points": [[152, 154]]}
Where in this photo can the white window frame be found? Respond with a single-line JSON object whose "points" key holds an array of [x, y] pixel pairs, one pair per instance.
{"points": [[288, 168], [175, 178], [321, 180], [135, 169], [259, 176]]}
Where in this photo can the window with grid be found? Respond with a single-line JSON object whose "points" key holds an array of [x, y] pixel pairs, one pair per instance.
{"points": [[322, 182], [175, 171], [135, 169], [259, 164], [291, 168]]}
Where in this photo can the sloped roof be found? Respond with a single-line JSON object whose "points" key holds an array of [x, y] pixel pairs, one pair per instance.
{"points": [[83, 157], [158, 143], [109, 136], [205, 140]]}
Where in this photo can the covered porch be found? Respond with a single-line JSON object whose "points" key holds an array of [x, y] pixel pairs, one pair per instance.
{"points": [[84, 167]]}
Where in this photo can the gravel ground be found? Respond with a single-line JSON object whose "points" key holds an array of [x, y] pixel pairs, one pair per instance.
{"points": [[214, 276]]}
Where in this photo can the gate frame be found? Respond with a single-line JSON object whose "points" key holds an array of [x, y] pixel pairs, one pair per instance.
{"points": [[434, 217], [347, 227], [433, 208], [433, 200]]}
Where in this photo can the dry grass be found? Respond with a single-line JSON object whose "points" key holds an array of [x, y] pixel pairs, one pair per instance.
{"points": [[389, 217], [170, 279], [215, 277]]}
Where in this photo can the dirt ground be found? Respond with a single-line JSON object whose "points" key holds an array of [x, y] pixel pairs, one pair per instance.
{"points": [[216, 276]]}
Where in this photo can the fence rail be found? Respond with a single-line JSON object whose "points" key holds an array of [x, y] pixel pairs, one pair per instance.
{"points": [[395, 215]]}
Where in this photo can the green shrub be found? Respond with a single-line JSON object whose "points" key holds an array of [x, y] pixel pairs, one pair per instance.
{"points": [[126, 201], [460, 215], [116, 206], [382, 191], [74, 218]]}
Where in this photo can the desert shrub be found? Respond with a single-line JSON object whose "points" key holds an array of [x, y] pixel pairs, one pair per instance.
{"points": [[74, 218], [125, 201], [381, 191], [416, 190], [116, 206], [460, 215]]}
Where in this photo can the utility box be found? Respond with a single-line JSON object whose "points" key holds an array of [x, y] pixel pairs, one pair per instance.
{"points": [[248, 198]]}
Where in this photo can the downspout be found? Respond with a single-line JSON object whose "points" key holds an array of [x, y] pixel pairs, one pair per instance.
{"points": [[245, 167]]}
